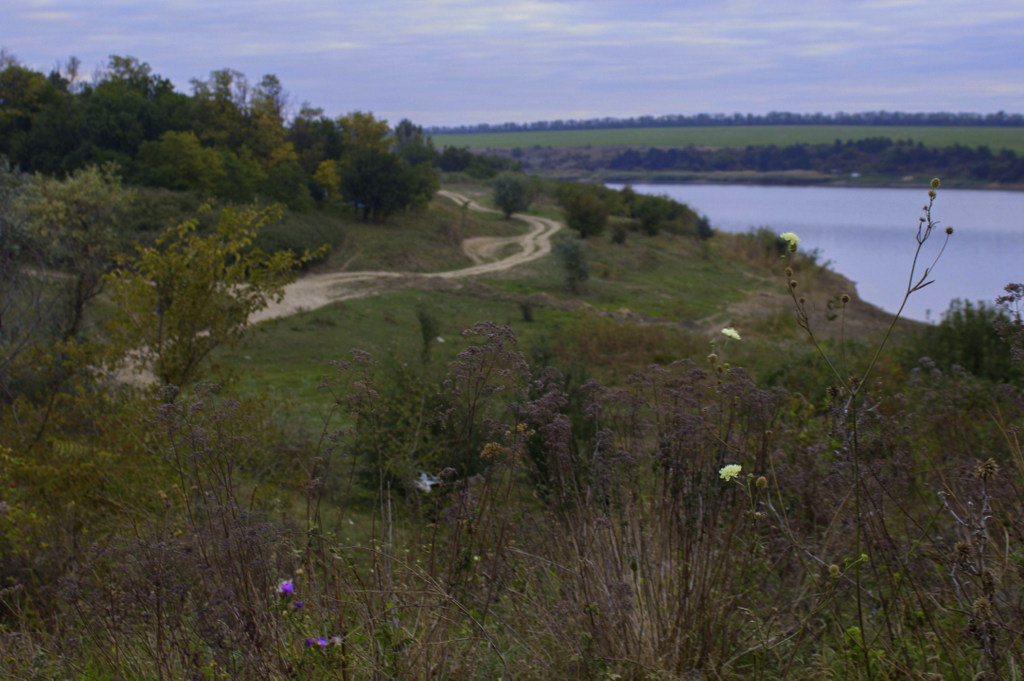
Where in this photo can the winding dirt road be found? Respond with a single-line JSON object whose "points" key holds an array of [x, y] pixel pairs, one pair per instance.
{"points": [[317, 290]]}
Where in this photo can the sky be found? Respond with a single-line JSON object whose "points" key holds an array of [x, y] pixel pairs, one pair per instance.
{"points": [[454, 62]]}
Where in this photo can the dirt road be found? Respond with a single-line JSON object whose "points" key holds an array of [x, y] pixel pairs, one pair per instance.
{"points": [[317, 290]]}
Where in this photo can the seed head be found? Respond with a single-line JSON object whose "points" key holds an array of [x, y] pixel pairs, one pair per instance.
{"points": [[802, 300], [712, 358], [792, 283], [844, 299], [962, 552], [789, 272], [833, 570], [761, 482], [935, 183], [982, 608], [931, 193], [987, 470], [949, 230]]}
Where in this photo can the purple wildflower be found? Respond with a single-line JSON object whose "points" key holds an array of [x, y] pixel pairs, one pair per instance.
{"points": [[286, 588], [310, 642], [322, 642], [297, 604]]}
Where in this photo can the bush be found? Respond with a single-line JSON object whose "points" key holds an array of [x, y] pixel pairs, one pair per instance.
{"points": [[573, 258], [510, 194], [968, 336]]}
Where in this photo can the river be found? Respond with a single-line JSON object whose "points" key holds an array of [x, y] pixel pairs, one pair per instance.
{"points": [[868, 235]]}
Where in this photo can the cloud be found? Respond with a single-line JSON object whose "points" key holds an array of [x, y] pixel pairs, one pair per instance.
{"points": [[453, 61]]}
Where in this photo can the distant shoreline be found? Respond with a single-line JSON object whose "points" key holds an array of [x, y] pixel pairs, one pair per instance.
{"points": [[769, 180]]}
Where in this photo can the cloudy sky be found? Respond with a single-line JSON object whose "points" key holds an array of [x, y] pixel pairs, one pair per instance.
{"points": [[474, 61]]}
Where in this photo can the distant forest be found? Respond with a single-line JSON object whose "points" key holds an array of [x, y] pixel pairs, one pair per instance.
{"points": [[1000, 119], [878, 156]]}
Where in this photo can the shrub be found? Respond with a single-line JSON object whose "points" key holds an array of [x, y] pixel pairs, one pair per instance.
{"points": [[570, 254], [968, 336]]}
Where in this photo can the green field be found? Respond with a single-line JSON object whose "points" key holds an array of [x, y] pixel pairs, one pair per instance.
{"points": [[740, 136]]}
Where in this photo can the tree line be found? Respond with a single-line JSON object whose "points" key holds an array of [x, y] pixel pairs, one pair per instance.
{"points": [[999, 119], [231, 138], [871, 156]]}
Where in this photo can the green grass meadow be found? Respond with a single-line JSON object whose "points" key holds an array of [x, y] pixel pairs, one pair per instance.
{"points": [[740, 136]]}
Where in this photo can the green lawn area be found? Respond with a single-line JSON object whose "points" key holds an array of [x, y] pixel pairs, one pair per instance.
{"points": [[741, 136]]}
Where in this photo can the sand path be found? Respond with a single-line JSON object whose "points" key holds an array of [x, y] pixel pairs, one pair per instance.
{"points": [[316, 290]]}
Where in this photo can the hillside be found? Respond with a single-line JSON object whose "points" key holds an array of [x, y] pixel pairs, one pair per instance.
{"points": [[474, 457]]}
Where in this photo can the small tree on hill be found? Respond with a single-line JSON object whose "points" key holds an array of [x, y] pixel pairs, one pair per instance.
{"points": [[571, 255], [190, 294], [585, 213], [511, 193]]}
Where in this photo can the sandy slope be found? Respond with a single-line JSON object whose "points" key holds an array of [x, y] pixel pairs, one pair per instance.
{"points": [[317, 290]]}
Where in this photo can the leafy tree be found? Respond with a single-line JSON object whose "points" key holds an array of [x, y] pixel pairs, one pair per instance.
{"points": [[585, 213], [704, 229], [178, 161], [511, 193], [360, 132], [411, 145], [57, 240], [190, 294], [571, 255], [453, 159], [327, 177], [652, 211], [23, 94], [76, 224], [379, 183], [218, 108], [315, 137]]}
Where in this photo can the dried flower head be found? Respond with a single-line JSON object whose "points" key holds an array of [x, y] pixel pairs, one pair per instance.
{"points": [[935, 183], [987, 470], [931, 193], [789, 271], [982, 608], [730, 471], [762, 482], [949, 230], [961, 552], [792, 283], [712, 358], [833, 570], [844, 299]]}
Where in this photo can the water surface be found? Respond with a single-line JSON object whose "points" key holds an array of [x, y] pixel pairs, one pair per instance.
{"points": [[868, 235]]}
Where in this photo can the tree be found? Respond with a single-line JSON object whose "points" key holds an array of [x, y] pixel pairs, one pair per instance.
{"points": [[411, 145], [75, 223], [585, 213], [178, 161], [190, 294], [511, 193], [571, 255], [379, 183], [57, 240], [361, 131]]}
